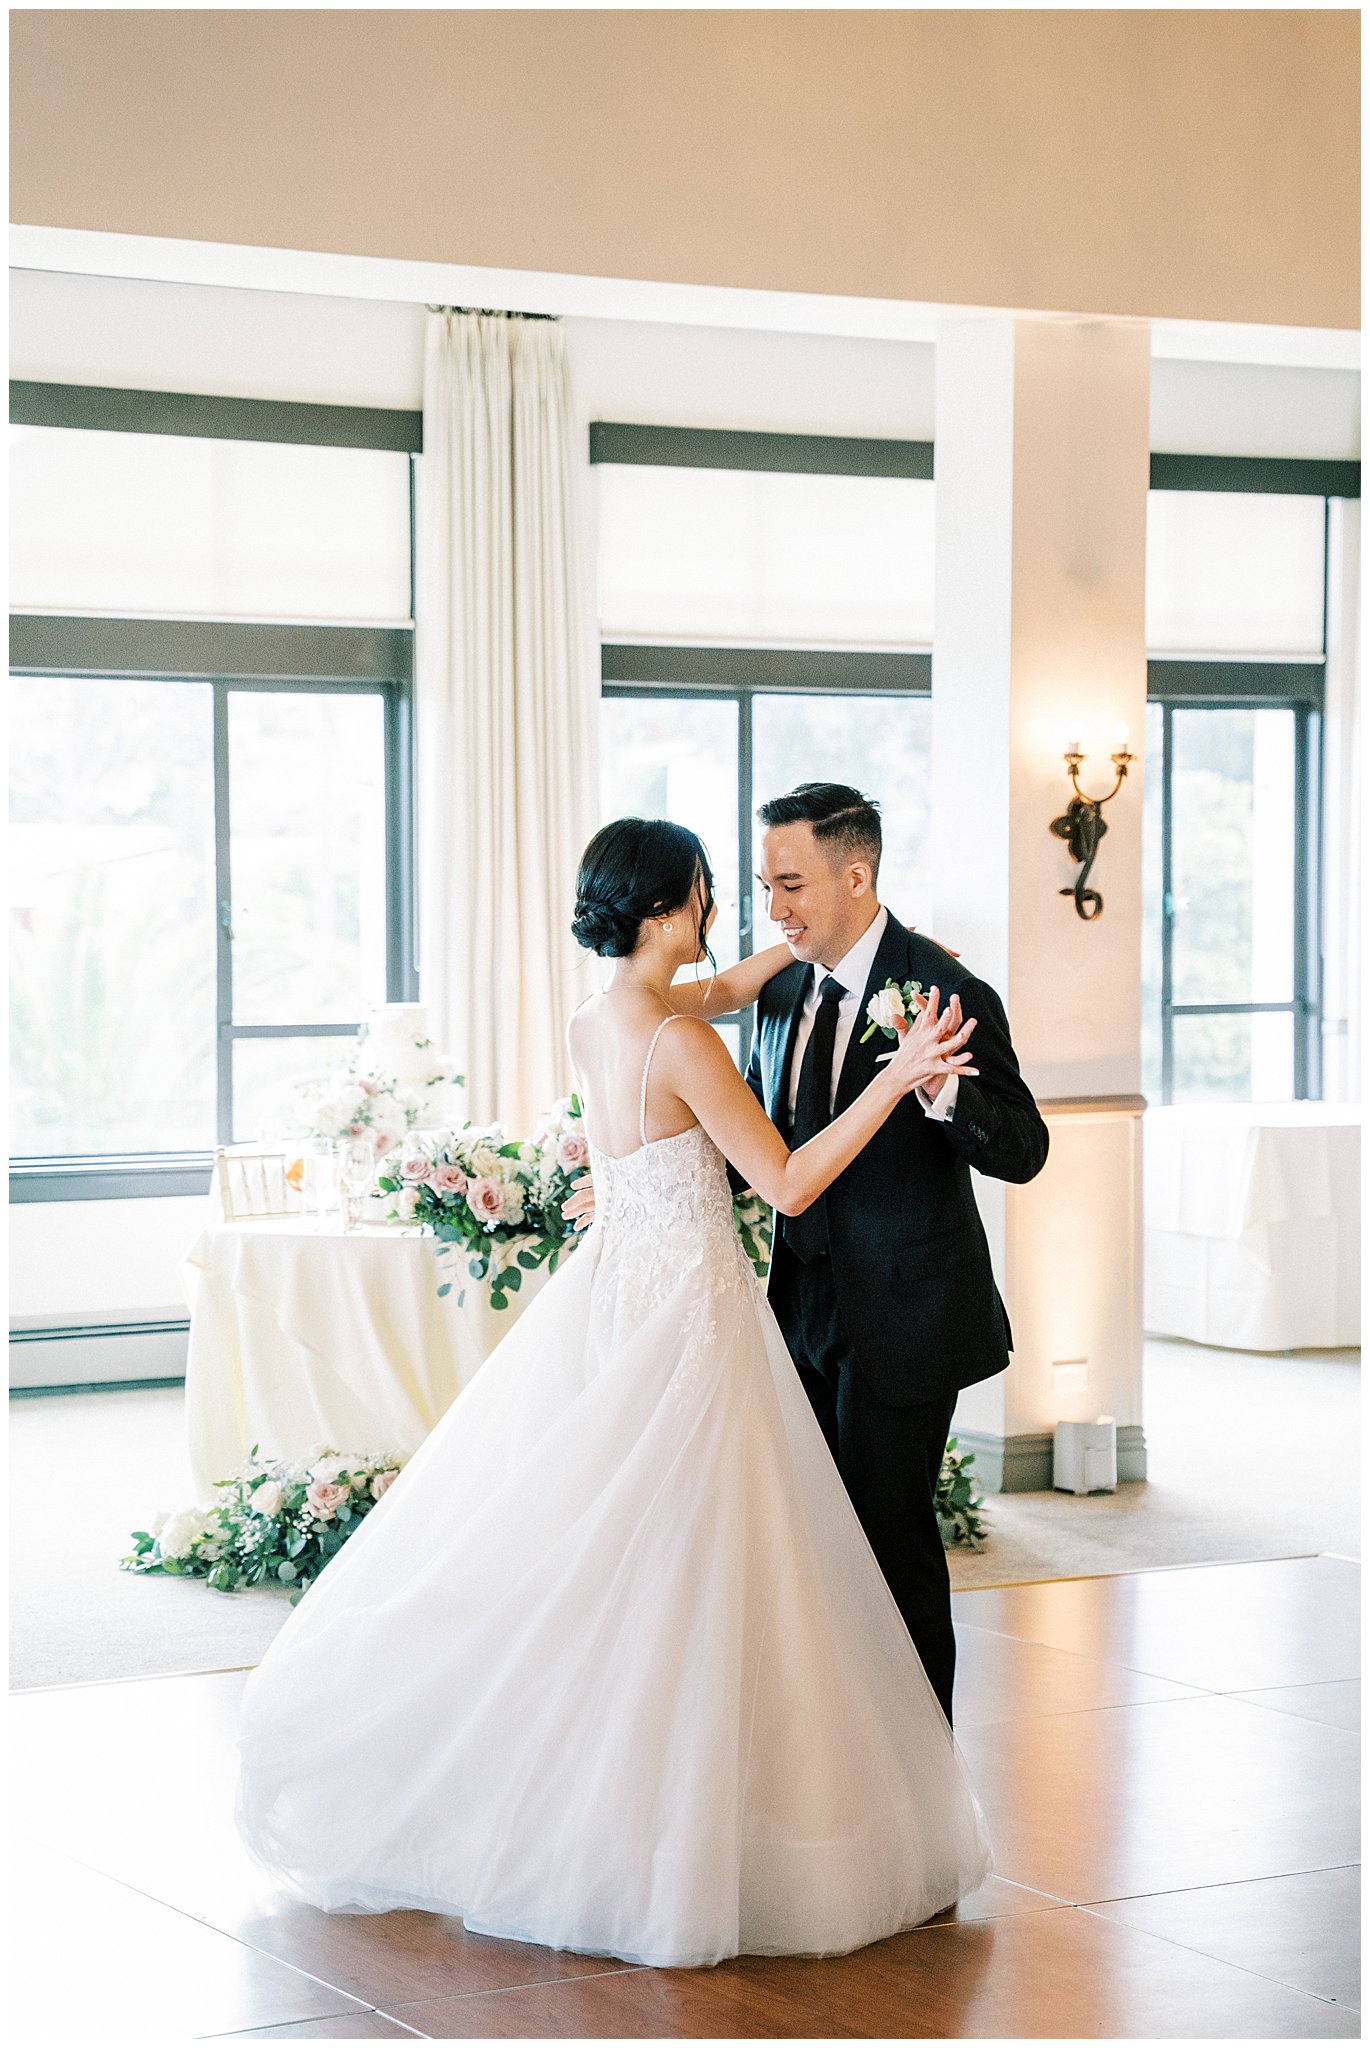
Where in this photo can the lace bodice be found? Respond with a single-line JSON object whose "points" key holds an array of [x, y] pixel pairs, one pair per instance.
{"points": [[668, 1184], [662, 1213]]}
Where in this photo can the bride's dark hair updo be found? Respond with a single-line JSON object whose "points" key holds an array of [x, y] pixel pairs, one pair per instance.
{"points": [[633, 869]]}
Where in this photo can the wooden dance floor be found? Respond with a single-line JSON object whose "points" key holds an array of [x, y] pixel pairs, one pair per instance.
{"points": [[1168, 1761]]}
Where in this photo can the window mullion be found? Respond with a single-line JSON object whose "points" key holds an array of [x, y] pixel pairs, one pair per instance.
{"points": [[745, 938], [223, 922], [1167, 911]]}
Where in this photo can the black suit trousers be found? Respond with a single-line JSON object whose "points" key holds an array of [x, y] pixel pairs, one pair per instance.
{"points": [[889, 1458]]}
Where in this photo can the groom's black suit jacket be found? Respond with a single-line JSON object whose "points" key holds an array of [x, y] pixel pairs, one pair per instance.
{"points": [[910, 1261]]}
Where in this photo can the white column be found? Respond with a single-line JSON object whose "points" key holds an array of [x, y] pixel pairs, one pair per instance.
{"points": [[1042, 475]]}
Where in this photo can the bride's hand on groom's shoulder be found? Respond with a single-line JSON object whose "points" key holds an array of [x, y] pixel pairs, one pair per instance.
{"points": [[579, 1207], [937, 942]]}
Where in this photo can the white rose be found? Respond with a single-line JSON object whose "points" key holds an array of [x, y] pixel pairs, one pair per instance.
{"points": [[267, 1498], [158, 1522], [328, 1469], [885, 1007], [486, 1162], [180, 1532]]}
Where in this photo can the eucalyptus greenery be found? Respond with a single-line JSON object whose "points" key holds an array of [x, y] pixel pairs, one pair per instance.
{"points": [[274, 1523], [958, 1502], [753, 1223]]}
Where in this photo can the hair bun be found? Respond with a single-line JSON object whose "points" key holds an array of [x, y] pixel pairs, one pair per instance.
{"points": [[604, 928]]}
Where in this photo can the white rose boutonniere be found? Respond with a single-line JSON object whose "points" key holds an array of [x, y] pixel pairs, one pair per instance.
{"points": [[893, 1001]]}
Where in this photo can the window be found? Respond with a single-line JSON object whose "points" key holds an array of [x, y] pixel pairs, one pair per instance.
{"points": [[210, 795], [766, 619], [1230, 964]]}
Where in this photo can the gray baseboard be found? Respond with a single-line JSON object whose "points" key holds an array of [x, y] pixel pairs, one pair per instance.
{"points": [[1022, 1464], [88, 1352]]}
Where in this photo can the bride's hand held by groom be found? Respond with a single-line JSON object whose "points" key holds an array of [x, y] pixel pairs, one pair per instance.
{"points": [[938, 1034]]}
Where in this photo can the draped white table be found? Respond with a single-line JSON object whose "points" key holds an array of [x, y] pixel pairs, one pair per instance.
{"points": [[301, 1335], [1253, 1224]]}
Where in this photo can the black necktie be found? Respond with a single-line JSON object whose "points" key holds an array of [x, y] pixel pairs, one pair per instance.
{"points": [[808, 1234]]}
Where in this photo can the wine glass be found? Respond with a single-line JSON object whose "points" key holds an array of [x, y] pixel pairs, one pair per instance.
{"points": [[318, 1177], [356, 1174]]}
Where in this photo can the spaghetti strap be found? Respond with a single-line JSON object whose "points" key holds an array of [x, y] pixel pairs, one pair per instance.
{"points": [[571, 1058], [646, 1069]]}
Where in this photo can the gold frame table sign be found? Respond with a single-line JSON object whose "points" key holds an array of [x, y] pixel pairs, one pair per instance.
{"points": [[303, 1334]]}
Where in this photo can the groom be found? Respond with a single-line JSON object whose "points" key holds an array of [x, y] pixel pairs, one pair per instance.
{"points": [[883, 1289]]}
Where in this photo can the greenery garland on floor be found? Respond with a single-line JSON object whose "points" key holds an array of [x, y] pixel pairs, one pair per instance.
{"points": [[274, 1524], [958, 1501], [278, 1524]]}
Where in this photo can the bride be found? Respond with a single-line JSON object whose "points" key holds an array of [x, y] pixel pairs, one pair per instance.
{"points": [[612, 1667]]}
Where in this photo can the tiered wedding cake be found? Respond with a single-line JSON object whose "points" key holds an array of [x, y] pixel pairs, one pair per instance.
{"points": [[394, 1049], [393, 1080]]}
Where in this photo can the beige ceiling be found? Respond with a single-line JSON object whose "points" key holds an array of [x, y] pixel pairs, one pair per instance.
{"points": [[1179, 164]]}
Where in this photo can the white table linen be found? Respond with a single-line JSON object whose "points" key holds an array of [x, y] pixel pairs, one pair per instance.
{"points": [[1253, 1224], [301, 1335]]}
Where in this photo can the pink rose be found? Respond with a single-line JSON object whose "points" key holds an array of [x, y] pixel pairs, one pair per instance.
{"points": [[486, 1198], [415, 1167], [382, 1483], [573, 1151], [447, 1178], [324, 1498]]}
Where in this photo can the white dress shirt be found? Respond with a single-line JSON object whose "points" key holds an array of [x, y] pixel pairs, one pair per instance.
{"points": [[853, 971]]}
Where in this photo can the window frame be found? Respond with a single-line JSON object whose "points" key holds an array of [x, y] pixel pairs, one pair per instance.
{"points": [[1186, 691], [231, 656], [663, 672], [1250, 683], [699, 672]]}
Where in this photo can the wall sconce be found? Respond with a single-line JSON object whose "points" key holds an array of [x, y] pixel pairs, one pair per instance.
{"points": [[1083, 825]]}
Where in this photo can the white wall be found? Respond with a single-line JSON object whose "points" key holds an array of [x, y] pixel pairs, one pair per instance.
{"points": [[88, 1259], [123, 1257], [251, 344]]}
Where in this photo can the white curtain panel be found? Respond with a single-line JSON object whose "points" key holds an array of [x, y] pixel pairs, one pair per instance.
{"points": [[506, 709], [1341, 809]]}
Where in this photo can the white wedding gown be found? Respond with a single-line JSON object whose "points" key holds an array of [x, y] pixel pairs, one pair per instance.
{"points": [[611, 1667]]}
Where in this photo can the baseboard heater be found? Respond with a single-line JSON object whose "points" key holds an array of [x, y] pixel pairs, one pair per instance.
{"points": [[52, 1357]]}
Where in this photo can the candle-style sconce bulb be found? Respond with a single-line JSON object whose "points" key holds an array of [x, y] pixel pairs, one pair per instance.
{"points": [[1082, 824]]}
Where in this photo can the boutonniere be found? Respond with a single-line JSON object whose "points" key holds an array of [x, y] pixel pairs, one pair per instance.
{"points": [[895, 999]]}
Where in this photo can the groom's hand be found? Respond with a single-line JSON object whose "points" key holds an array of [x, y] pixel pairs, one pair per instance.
{"points": [[947, 1026]]}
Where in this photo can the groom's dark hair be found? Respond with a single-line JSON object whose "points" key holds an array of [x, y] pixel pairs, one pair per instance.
{"points": [[842, 818]]}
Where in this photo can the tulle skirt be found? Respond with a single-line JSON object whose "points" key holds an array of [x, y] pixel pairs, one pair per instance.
{"points": [[611, 1667]]}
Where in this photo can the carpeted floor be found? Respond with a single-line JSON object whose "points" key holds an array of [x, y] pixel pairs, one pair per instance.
{"points": [[1250, 1457]]}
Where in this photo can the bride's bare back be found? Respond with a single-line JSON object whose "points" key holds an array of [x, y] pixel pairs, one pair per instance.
{"points": [[610, 1037]]}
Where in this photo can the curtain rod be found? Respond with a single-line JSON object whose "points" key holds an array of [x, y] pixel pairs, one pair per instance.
{"points": [[494, 313]]}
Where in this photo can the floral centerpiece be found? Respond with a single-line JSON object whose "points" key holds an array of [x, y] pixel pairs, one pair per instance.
{"points": [[499, 1202], [274, 1523], [496, 1203]]}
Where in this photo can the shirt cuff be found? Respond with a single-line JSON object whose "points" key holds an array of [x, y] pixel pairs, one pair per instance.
{"points": [[942, 1106]]}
